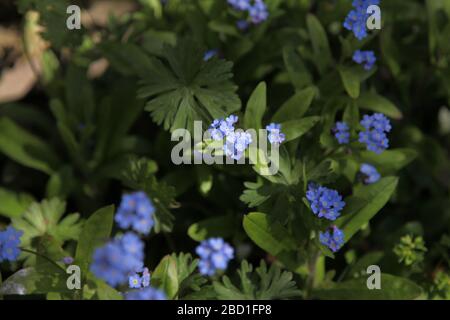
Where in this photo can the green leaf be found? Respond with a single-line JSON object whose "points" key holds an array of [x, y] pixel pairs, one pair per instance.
{"points": [[296, 106], [319, 40], [139, 175], [390, 160], [165, 276], [299, 75], [256, 106], [96, 230], [25, 148], [191, 89], [392, 288], [53, 17], [294, 129], [46, 219], [271, 236], [264, 284], [174, 274], [377, 103], [370, 200], [79, 94], [31, 281], [14, 204], [359, 268], [103, 290], [351, 81], [222, 226]]}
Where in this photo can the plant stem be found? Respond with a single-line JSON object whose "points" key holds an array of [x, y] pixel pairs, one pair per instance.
{"points": [[45, 257]]}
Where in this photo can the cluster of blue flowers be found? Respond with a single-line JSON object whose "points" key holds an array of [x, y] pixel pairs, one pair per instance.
{"points": [[148, 293], [236, 142], [119, 258], [10, 244], [333, 238], [214, 254], [136, 281], [276, 137], [136, 211], [324, 202], [257, 11], [356, 19], [366, 57], [142, 284], [369, 173], [375, 134], [342, 132]]}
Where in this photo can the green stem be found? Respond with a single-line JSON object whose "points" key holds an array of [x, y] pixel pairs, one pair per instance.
{"points": [[45, 257]]}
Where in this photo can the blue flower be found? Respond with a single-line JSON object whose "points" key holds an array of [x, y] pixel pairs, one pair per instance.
{"points": [[324, 202], [356, 20], [220, 128], [67, 260], [214, 254], [137, 281], [242, 25], [366, 57], [236, 143], [369, 173], [240, 5], [10, 244], [148, 293], [134, 281], [275, 135], [333, 238], [342, 132], [210, 54], [145, 278], [258, 12], [118, 258], [375, 134], [136, 211]]}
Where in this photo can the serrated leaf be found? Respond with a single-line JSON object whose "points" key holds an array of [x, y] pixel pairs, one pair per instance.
{"points": [[14, 204], [46, 219], [191, 89], [264, 284], [139, 175]]}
